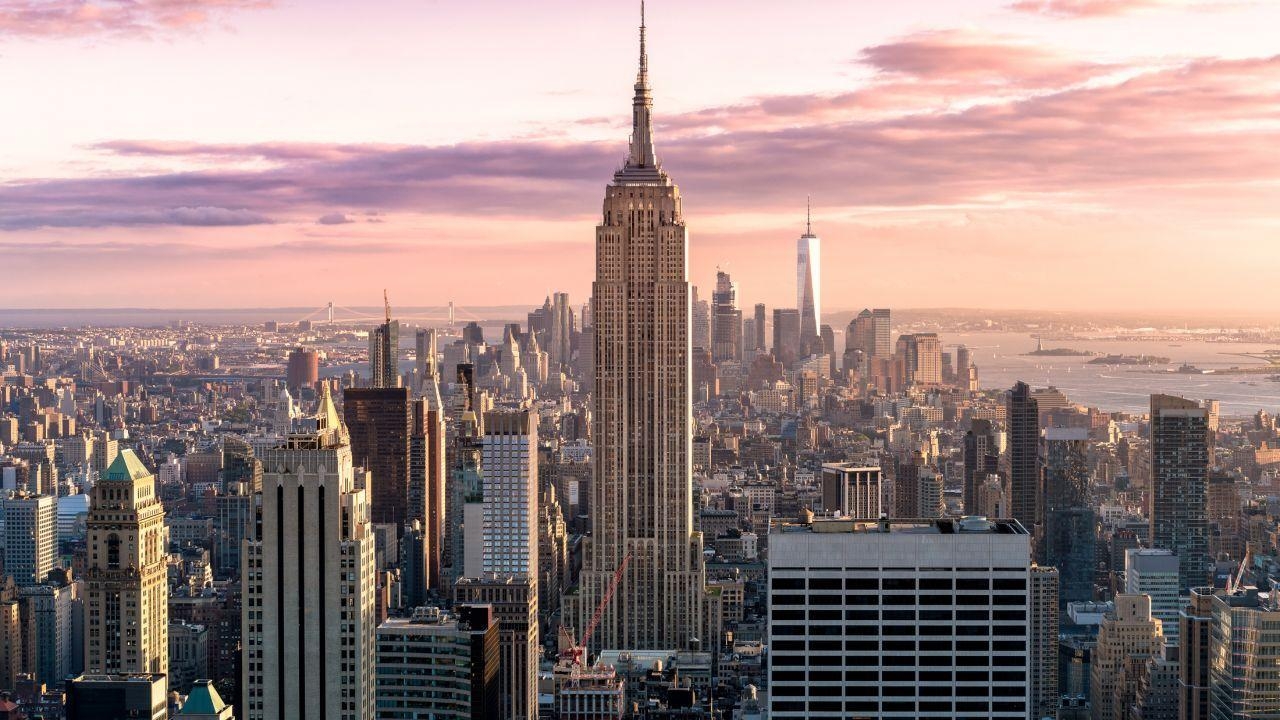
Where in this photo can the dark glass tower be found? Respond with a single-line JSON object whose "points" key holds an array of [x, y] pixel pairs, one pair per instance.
{"points": [[1180, 482]]}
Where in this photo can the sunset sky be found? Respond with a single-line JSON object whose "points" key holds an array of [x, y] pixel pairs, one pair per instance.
{"points": [[1066, 154]]}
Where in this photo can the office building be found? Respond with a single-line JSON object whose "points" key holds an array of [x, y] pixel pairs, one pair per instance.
{"points": [[852, 489], [126, 581], [303, 370], [880, 323], [1025, 494], [921, 356], [981, 460], [1194, 623], [1043, 642], [758, 341], [1179, 492], [308, 616], [1068, 537], [560, 348], [1243, 639], [1128, 634], [1154, 572], [514, 599], [699, 322], [30, 537], [901, 619], [118, 697], [809, 285], [428, 474], [439, 666], [786, 336], [726, 321], [384, 354], [380, 423], [642, 494]]}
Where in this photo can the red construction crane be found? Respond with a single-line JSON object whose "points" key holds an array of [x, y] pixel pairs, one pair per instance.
{"points": [[580, 649]]}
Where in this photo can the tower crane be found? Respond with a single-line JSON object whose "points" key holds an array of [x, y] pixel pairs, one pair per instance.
{"points": [[576, 653]]}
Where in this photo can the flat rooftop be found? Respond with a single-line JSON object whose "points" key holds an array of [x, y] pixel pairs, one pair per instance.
{"points": [[907, 526]]}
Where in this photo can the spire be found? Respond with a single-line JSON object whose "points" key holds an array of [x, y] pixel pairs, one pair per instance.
{"points": [[642, 154], [808, 216]]}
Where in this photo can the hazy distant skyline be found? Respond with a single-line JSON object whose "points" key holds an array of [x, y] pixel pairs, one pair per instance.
{"points": [[1074, 154]]}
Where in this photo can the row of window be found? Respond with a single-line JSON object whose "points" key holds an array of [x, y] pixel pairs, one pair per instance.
{"points": [[892, 583]]}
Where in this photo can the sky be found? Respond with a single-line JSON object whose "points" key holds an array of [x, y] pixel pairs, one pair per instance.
{"points": [[1119, 155]]}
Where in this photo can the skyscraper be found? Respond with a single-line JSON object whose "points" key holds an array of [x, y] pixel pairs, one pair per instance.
{"points": [[126, 583], [308, 616], [1068, 538], [508, 539], [380, 423], [726, 321], [384, 353], [559, 351], [1180, 481], [1128, 633], [903, 619], [427, 461], [882, 327], [1154, 572], [303, 370], [981, 458], [30, 537], [1024, 456], [809, 285], [642, 494], [758, 341], [786, 335], [700, 322]]}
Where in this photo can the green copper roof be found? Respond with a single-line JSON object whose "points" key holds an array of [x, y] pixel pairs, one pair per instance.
{"points": [[126, 467], [203, 700]]}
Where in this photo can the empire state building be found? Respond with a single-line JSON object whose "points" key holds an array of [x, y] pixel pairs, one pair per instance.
{"points": [[642, 494]]}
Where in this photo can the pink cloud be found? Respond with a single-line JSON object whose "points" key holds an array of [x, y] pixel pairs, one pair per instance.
{"points": [[81, 18]]}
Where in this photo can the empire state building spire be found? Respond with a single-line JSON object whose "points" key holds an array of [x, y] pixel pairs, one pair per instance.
{"points": [[642, 155]]}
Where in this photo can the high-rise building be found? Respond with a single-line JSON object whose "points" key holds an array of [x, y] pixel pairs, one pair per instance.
{"points": [[510, 462], [1068, 537], [809, 284], [758, 340], [1127, 634], [380, 423], [142, 696], [428, 475], [1025, 496], [438, 666], [852, 489], [303, 370], [1179, 493], [1042, 655], [1154, 572], [786, 335], [642, 494], [700, 322], [1194, 623], [880, 322], [981, 459], [726, 321], [424, 353], [384, 354], [560, 348], [308, 615], [30, 537], [901, 619], [921, 355], [1243, 637], [126, 581], [505, 532]]}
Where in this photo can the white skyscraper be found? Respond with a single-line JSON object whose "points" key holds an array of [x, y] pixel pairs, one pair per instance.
{"points": [[30, 537], [809, 284], [509, 460], [309, 616]]}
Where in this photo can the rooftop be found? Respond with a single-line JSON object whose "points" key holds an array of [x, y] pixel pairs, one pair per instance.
{"points": [[970, 525], [126, 468]]}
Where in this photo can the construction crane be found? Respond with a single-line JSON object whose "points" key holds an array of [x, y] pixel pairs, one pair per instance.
{"points": [[386, 301], [576, 653], [1239, 577]]}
